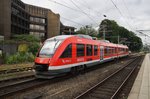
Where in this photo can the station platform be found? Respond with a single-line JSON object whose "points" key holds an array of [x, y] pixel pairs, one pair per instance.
{"points": [[141, 86]]}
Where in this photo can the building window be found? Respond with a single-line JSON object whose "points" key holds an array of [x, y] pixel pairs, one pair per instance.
{"points": [[89, 50], [15, 11], [42, 35], [95, 49], [42, 21], [67, 52], [31, 18], [31, 26], [41, 28], [37, 20], [80, 50], [37, 27], [38, 34]]}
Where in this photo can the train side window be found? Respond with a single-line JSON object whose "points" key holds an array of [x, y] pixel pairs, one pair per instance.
{"points": [[95, 49], [127, 50], [80, 50], [89, 50], [110, 50], [106, 51], [115, 50], [67, 52]]}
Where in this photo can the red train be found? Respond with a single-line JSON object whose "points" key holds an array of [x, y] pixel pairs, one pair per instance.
{"points": [[73, 53]]}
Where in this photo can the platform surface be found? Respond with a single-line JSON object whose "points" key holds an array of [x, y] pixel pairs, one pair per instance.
{"points": [[141, 86]]}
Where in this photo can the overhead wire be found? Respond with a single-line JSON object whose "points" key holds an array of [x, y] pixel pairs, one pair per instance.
{"points": [[125, 20], [83, 12], [121, 14], [127, 9], [63, 5], [139, 31], [80, 10], [86, 5], [128, 12], [72, 21]]}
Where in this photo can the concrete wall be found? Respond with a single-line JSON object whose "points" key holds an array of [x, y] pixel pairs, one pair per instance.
{"points": [[36, 11], [9, 49], [53, 20], [5, 18], [53, 24]]}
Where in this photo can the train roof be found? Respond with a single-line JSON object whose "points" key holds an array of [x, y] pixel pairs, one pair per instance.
{"points": [[107, 43], [60, 37], [103, 42]]}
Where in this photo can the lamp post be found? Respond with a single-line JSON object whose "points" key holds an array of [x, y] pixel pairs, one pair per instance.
{"points": [[70, 31], [86, 29], [104, 26]]}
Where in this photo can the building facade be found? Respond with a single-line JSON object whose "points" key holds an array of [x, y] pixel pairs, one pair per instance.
{"points": [[67, 30], [17, 18]]}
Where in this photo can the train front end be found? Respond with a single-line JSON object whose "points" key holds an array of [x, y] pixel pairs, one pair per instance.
{"points": [[45, 57]]}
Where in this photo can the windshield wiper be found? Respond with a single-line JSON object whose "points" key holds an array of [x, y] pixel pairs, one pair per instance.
{"points": [[56, 44]]}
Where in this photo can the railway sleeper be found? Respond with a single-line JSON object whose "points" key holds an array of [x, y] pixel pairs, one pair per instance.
{"points": [[105, 90], [112, 82], [92, 97], [101, 92], [98, 96], [109, 87]]}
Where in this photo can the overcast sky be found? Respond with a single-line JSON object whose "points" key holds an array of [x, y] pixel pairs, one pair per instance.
{"points": [[131, 14]]}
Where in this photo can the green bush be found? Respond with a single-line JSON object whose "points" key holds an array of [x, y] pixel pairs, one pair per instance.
{"points": [[19, 58], [23, 48], [33, 48], [27, 38]]}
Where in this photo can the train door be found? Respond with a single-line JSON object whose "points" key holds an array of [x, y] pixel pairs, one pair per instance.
{"points": [[101, 52]]}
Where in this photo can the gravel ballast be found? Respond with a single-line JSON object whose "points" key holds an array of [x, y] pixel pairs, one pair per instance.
{"points": [[72, 87]]}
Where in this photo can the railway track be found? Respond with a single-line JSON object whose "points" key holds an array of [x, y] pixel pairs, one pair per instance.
{"points": [[13, 81], [14, 88], [16, 79], [15, 70], [26, 84], [111, 86]]}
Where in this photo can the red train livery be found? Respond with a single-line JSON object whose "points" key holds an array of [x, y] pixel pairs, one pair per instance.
{"points": [[72, 53]]}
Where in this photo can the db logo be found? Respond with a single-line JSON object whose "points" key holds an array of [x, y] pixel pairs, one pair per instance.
{"points": [[63, 61]]}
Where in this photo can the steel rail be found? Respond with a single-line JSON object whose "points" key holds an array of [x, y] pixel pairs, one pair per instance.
{"points": [[82, 95]]}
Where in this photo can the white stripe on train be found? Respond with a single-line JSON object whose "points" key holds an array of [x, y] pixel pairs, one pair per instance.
{"points": [[81, 63]]}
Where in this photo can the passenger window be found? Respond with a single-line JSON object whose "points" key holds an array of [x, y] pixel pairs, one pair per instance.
{"points": [[105, 51], [68, 52], [115, 50], [80, 50], [95, 49], [89, 50]]}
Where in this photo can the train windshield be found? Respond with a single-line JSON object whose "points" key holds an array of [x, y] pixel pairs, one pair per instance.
{"points": [[49, 48]]}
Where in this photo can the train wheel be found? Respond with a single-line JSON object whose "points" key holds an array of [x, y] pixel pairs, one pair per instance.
{"points": [[82, 69], [74, 71], [78, 69]]}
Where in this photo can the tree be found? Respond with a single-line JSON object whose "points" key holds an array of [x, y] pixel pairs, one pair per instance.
{"points": [[146, 48], [87, 30], [113, 30]]}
